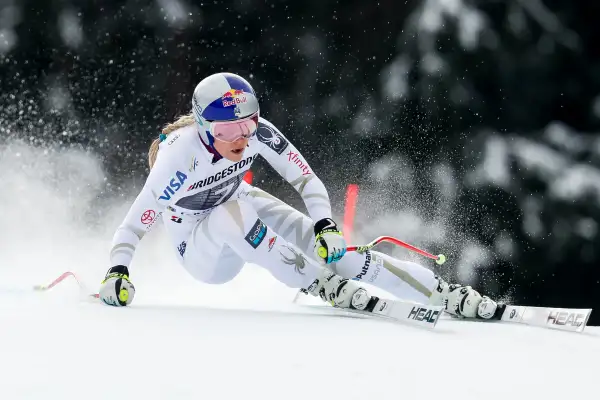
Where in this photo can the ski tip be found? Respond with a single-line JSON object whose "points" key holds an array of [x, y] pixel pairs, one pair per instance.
{"points": [[39, 288]]}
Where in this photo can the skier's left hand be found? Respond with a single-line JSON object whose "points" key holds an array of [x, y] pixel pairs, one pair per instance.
{"points": [[330, 245]]}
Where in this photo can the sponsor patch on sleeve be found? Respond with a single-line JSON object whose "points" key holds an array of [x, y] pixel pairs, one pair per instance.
{"points": [[148, 217], [271, 138], [256, 234]]}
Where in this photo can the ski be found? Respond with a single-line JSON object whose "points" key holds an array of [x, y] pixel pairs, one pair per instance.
{"points": [[566, 319], [425, 316]]}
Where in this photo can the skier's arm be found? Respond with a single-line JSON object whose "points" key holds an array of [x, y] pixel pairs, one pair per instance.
{"points": [[141, 217], [144, 213], [293, 167], [163, 181]]}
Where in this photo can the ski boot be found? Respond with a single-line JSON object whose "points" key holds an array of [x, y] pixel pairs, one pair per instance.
{"points": [[340, 292], [465, 302]]}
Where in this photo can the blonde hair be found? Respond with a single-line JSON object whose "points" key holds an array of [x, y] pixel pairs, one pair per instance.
{"points": [[181, 122]]}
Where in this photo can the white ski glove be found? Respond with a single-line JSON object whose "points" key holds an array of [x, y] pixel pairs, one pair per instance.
{"points": [[330, 245], [116, 288]]}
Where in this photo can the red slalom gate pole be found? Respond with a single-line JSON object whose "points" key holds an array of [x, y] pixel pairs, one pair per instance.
{"points": [[350, 210], [248, 176]]}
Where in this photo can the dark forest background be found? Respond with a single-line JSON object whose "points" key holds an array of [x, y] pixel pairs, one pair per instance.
{"points": [[470, 126]]}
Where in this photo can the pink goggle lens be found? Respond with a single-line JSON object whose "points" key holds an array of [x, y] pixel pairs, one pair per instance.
{"points": [[231, 131]]}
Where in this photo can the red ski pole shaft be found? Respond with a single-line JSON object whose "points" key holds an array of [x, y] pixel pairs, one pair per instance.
{"points": [[440, 258]]}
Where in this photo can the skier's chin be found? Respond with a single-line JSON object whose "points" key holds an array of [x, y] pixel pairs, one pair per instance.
{"points": [[235, 154], [233, 151]]}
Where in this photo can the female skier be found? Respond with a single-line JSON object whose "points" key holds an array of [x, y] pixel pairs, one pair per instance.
{"points": [[217, 222]]}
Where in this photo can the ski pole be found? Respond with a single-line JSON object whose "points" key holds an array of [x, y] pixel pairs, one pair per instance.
{"points": [[61, 278], [439, 259], [57, 281]]}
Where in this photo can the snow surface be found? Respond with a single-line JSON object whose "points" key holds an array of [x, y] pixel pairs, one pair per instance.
{"points": [[182, 339], [178, 343]]}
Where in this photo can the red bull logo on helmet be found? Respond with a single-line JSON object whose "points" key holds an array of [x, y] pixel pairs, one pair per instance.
{"points": [[233, 97]]}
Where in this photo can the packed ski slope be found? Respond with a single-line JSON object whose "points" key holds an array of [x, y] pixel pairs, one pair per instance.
{"points": [[181, 339], [245, 340]]}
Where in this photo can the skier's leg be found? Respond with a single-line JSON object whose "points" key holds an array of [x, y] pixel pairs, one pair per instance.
{"points": [[218, 263], [404, 279], [235, 225], [212, 264], [288, 222], [415, 282]]}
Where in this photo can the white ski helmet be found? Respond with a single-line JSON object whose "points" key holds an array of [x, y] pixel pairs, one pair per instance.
{"points": [[222, 97]]}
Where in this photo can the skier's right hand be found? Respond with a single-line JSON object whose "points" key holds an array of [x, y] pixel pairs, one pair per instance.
{"points": [[116, 288]]}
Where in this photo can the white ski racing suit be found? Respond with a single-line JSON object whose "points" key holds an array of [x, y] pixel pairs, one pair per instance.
{"points": [[216, 221]]}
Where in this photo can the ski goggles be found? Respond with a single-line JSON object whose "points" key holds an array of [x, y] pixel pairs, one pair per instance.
{"points": [[230, 131]]}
